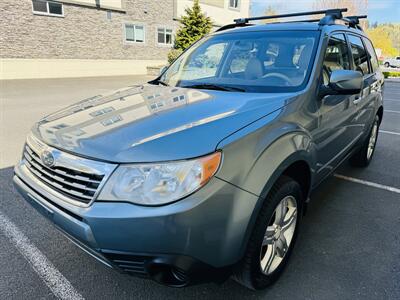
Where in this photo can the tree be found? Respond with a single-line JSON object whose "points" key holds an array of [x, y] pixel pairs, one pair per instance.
{"points": [[380, 37], [270, 12], [193, 26], [354, 7]]}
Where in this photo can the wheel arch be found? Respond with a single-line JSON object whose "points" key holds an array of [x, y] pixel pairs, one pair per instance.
{"points": [[380, 114], [289, 167]]}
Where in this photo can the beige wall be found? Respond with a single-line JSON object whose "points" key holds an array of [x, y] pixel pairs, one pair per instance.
{"points": [[84, 32], [64, 68], [114, 4], [83, 42], [217, 3], [217, 10]]}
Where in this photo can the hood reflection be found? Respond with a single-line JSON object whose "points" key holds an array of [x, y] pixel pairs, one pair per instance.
{"points": [[100, 114]]}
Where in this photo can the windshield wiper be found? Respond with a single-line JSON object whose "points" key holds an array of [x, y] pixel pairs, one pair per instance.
{"points": [[209, 86], [158, 82], [162, 82]]}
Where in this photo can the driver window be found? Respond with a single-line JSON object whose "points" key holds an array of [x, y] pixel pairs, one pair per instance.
{"points": [[204, 64], [241, 53], [336, 56]]}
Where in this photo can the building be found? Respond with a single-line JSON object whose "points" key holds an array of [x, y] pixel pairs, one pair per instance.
{"points": [[76, 38]]}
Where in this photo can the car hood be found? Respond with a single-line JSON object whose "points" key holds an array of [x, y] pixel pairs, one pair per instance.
{"points": [[153, 123]]}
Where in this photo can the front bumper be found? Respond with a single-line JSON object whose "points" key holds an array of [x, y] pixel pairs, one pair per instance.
{"points": [[204, 233]]}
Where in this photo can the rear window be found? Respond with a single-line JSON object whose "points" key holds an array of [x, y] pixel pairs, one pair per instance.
{"points": [[372, 55], [360, 55]]}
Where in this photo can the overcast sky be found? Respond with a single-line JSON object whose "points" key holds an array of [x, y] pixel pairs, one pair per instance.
{"points": [[380, 11]]}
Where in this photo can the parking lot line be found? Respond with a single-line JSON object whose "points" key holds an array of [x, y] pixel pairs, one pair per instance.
{"points": [[392, 111], [56, 282], [391, 100], [369, 183], [389, 132]]}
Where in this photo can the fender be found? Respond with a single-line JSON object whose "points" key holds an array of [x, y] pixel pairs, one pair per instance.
{"points": [[263, 153], [286, 144]]}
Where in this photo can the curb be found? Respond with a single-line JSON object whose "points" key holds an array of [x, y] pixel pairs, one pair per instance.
{"points": [[392, 80]]}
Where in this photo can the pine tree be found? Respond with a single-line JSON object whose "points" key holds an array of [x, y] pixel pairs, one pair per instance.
{"points": [[193, 26]]}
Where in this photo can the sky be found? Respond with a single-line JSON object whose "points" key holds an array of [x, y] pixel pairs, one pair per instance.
{"points": [[381, 11]]}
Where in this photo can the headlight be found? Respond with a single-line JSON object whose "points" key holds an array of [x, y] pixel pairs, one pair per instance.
{"points": [[159, 183]]}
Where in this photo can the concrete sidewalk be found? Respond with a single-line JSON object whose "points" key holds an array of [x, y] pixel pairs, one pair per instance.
{"points": [[23, 102]]}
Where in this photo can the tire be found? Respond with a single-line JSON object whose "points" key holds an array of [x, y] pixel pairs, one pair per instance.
{"points": [[363, 157], [260, 246], [386, 64]]}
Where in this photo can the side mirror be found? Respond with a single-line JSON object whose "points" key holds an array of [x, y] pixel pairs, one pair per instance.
{"points": [[344, 82]]}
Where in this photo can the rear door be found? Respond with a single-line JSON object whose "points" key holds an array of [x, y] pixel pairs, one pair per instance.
{"points": [[361, 61], [336, 112]]}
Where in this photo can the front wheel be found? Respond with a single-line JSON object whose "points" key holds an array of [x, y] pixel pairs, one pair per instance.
{"points": [[363, 157], [273, 236]]}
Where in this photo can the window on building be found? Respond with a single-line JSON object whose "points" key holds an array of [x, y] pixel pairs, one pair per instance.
{"points": [[164, 36], [234, 4], [47, 8], [360, 56], [134, 33]]}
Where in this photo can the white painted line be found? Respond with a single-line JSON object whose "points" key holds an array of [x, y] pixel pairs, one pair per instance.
{"points": [[56, 282], [369, 183], [386, 100], [389, 132], [392, 111]]}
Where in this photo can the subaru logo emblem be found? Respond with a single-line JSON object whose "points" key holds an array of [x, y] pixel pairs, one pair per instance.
{"points": [[47, 158]]}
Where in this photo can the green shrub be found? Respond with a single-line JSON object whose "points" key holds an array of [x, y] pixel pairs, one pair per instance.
{"points": [[193, 26], [173, 54], [391, 74]]}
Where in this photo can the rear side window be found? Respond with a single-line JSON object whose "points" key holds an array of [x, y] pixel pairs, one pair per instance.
{"points": [[360, 55], [371, 54], [336, 56]]}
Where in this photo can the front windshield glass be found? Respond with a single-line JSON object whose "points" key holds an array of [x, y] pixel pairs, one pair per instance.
{"points": [[262, 61]]}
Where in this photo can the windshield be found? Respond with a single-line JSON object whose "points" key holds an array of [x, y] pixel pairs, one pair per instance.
{"points": [[262, 61]]}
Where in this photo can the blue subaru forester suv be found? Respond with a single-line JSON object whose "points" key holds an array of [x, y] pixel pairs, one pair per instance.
{"points": [[206, 171]]}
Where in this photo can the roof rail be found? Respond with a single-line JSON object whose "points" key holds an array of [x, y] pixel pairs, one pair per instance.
{"points": [[331, 13], [233, 25]]}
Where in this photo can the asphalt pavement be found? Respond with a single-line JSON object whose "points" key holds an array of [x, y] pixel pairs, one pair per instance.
{"points": [[349, 246]]}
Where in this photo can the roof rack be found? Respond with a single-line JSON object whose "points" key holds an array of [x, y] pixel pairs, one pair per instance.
{"points": [[354, 21], [331, 15]]}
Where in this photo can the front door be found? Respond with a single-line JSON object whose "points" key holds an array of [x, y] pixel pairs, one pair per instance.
{"points": [[335, 135]]}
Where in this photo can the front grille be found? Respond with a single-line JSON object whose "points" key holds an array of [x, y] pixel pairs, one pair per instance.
{"points": [[76, 185]]}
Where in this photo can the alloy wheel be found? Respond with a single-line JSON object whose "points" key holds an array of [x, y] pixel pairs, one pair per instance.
{"points": [[372, 140], [278, 235]]}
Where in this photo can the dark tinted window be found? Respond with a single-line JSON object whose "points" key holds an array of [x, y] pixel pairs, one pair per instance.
{"points": [[39, 6], [360, 55], [47, 7], [55, 8], [336, 56], [371, 54]]}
